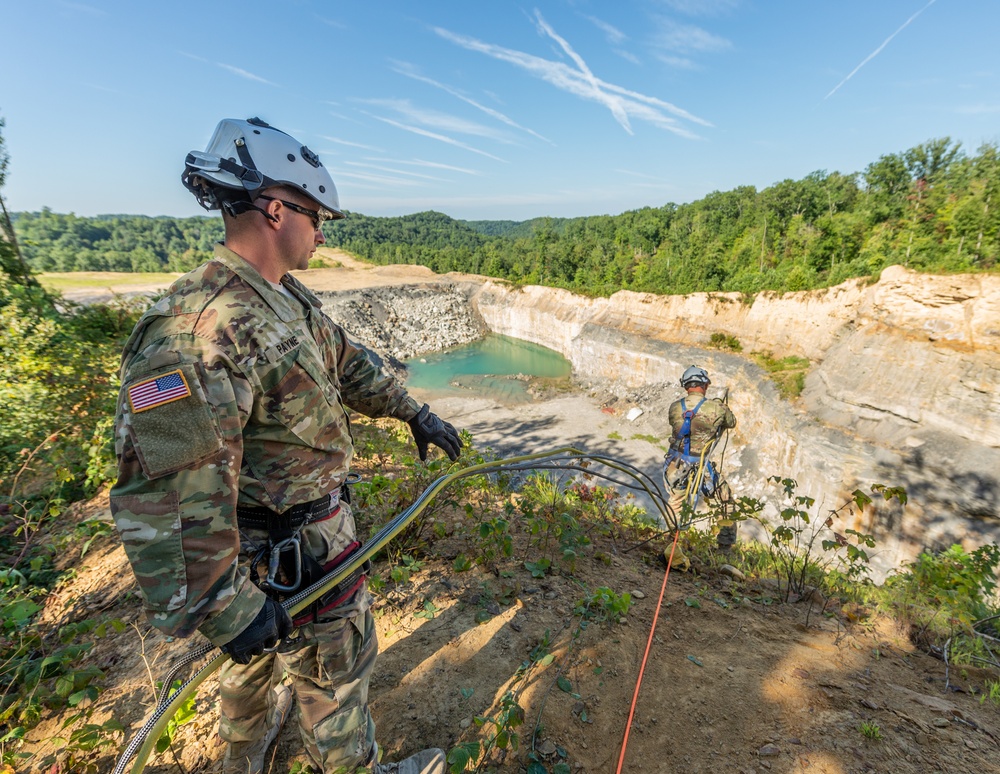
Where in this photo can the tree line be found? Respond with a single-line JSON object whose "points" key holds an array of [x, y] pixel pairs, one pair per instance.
{"points": [[929, 208], [53, 241]]}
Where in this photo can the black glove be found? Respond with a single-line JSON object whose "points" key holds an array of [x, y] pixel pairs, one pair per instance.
{"points": [[430, 428], [270, 627]]}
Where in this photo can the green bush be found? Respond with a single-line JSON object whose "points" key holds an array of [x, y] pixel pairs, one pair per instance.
{"points": [[725, 341], [949, 596], [787, 373], [58, 386]]}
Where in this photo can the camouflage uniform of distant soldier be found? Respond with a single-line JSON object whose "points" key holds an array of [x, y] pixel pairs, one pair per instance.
{"points": [[709, 419], [234, 390]]}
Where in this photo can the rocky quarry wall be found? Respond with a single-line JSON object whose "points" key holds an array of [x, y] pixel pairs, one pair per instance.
{"points": [[903, 387]]}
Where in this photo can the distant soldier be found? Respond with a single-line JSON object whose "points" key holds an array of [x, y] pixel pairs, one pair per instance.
{"points": [[233, 442], [697, 423]]}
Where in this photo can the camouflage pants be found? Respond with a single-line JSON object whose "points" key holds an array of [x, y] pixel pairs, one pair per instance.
{"points": [[722, 496], [329, 666]]}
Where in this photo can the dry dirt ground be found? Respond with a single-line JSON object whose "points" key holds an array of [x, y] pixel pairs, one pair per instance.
{"points": [[345, 273], [734, 680]]}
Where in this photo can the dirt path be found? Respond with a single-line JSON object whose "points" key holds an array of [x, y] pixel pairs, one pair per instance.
{"points": [[346, 273]]}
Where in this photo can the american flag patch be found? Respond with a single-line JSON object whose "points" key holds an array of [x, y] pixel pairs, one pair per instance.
{"points": [[155, 392]]}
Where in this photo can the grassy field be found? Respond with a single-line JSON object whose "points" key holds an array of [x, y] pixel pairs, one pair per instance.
{"points": [[70, 280]]}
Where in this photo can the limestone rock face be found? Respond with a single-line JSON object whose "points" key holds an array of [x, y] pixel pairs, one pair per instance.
{"points": [[904, 386]]}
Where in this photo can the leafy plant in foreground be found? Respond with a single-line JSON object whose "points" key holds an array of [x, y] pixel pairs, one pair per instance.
{"points": [[184, 714], [949, 597], [603, 605], [792, 538]]}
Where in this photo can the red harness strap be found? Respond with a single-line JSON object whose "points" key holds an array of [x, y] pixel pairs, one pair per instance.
{"points": [[339, 593]]}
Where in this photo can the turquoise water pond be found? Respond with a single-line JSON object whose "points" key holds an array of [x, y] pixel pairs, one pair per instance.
{"points": [[485, 367]]}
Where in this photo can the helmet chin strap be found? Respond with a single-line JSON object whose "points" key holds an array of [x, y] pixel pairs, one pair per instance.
{"points": [[253, 181]]}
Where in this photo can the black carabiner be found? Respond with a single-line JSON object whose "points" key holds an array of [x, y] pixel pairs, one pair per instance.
{"points": [[274, 564]]}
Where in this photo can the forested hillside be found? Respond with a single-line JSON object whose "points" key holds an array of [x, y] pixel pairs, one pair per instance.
{"points": [[933, 208], [54, 242]]}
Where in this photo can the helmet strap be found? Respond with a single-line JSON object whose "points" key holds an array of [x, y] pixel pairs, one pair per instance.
{"points": [[238, 208], [251, 179]]}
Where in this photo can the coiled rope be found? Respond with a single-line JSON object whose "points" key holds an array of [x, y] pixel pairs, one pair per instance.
{"points": [[564, 459]]}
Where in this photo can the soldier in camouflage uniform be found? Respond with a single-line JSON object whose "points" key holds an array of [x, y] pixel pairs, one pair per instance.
{"points": [[697, 422], [231, 432]]}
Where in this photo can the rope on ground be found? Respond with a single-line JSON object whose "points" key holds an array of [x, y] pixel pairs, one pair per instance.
{"points": [[565, 458], [645, 656]]}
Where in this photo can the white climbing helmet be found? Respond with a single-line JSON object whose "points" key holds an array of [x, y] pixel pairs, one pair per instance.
{"points": [[249, 156], [695, 377]]}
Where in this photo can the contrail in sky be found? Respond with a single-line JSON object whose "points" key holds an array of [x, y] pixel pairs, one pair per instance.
{"points": [[876, 52]]}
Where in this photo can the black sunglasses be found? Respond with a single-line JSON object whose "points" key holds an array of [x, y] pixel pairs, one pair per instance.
{"points": [[318, 217]]}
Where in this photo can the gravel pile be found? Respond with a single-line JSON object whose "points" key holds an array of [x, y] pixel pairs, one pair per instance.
{"points": [[401, 322]]}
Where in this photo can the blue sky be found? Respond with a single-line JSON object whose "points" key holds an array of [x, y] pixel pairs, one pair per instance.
{"points": [[499, 110]]}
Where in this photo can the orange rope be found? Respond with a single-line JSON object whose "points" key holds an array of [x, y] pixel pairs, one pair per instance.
{"points": [[645, 656]]}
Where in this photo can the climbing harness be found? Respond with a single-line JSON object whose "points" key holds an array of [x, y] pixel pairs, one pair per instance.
{"points": [[695, 474], [696, 483], [140, 747], [684, 436], [287, 568]]}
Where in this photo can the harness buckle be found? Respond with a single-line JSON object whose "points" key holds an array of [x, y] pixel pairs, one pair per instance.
{"points": [[274, 564]]}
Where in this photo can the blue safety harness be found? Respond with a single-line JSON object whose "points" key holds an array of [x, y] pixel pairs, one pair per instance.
{"points": [[684, 436], [680, 449]]}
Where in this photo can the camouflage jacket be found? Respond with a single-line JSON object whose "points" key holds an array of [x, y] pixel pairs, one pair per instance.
{"points": [[232, 394], [711, 419]]}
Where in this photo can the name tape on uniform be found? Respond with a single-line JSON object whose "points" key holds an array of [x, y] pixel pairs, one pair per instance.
{"points": [[154, 392]]}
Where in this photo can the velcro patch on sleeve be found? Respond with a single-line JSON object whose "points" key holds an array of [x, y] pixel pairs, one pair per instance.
{"points": [[158, 391], [179, 433]]}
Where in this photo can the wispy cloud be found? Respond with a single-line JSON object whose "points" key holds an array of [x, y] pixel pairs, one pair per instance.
{"points": [[702, 7], [435, 136], [244, 73], [410, 72], [229, 68], [331, 22], [431, 164], [580, 81], [350, 144], [390, 170], [614, 35], [687, 38], [878, 50], [345, 117], [434, 119], [677, 62], [613, 103], [450, 204], [380, 179]]}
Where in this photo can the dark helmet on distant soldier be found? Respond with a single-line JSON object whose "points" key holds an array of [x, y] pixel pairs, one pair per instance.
{"points": [[695, 377], [245, 157]]}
